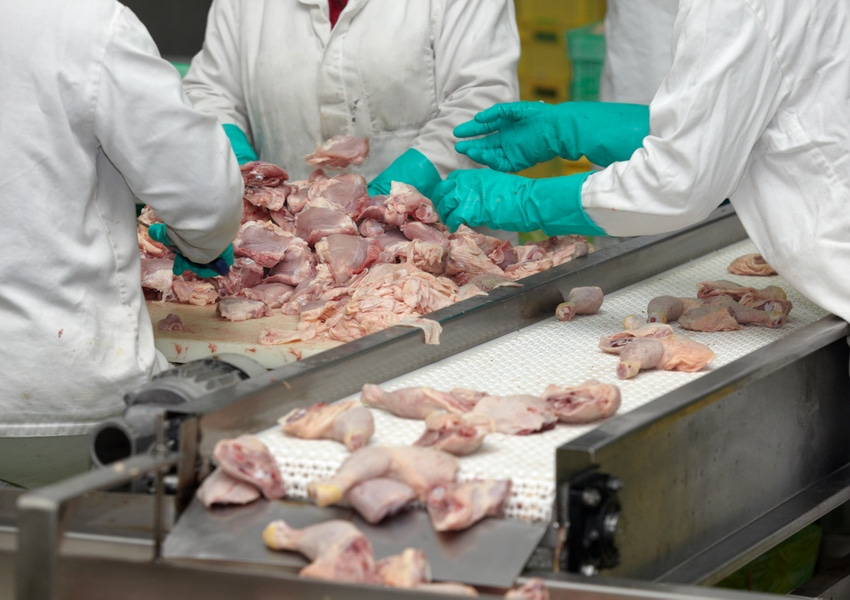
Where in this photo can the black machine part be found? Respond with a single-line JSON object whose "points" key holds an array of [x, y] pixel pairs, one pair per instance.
{"points": [[135, 432], [594, 515]]}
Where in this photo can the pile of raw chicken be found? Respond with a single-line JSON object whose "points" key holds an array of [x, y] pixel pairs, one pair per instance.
{"points": [[346, 263], [378, 482]]}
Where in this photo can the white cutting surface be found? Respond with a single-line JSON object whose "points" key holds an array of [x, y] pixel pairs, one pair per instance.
{"points": [[526, 361]]}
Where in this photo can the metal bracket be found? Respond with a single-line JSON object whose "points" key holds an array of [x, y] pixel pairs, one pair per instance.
{"points": [[593, 515]]}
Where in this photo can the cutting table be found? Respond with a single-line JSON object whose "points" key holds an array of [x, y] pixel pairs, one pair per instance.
{"points": [[697, 474]]}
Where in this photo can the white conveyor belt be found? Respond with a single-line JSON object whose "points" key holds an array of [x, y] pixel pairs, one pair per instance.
{"points": [[526, 361]]}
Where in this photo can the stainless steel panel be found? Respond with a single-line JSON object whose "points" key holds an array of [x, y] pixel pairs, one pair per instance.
{"points": [[710, 458]]}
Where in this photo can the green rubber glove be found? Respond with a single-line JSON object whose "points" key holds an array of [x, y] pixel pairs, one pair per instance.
{"points": [[219, 266], [240, 144], [519, 135], [412, 168], [481, 197]]}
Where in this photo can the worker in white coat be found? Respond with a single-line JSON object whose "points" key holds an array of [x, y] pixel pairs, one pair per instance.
{"points": [[285, 76], [754, 109], [91, 118], [638, 49]]}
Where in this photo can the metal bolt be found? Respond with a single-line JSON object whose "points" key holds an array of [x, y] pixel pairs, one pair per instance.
{"points": [[591, 497], [588, 570], [609, 523], [615, 484]]}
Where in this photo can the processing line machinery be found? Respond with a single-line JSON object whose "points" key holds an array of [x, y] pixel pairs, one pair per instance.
{"points": [[697, 476]]}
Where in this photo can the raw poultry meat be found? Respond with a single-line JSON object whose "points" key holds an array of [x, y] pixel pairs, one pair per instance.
{"points": [[614, 344], [339, 152], [448, 588], [420, 468], [517, 415], [747, 315], [709, 318], [171, 322], [358, 264], [242, 309], [221, 488], [671, 353], [580, 301], [246, 458], [378, 498], [405, 570], [585, 403], [666, 309], [347, 422], [533, 589], [751, 264], [419, 402], [339, 551], [458, 434], [455, 506]]}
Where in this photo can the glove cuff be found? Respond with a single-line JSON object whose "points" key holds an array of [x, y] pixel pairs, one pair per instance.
{"points": [[559, 206], [412, 168], [604, 132], [239, 142]]}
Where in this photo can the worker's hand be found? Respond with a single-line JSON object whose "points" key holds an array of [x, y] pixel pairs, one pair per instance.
{"points": [[240, 144], [519, 135], [481, 197], [219, 266], [412, 168]]}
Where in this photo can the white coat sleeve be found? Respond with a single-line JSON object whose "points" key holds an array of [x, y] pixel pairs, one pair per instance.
{"points": [[214, 80], [476, 54], [172, 157], [721, 92]]}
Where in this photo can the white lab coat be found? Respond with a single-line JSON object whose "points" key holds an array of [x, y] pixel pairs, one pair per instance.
{"points": [[91, 115], [755, 108], [638, 49], [402, 73]]}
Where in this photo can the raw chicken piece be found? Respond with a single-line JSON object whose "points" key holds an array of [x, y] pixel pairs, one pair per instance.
{"points": [[671, 353], [564, 248], [347, 422], [420, 468], [533, 589], [320, 218], [585, 403], [347, 255], [340, 152], [517, 415], [768, 298], [751, 264], [406, 200], [171, 322], [258, 174], [376, 499], [298, 265], [157, 274], [458, 434], [527, 268], [722, 287], [466, 258], [221, 488], [246, 458], [273, 295], [614, 344], [262, 241], [419, 402], [242, 309], [454, 506], [244, 273], [664, 309], [746, 315], [405, 570], [449, 587], [339, 551], [348, 191], [580, 301], [270, 198], [504, 255], [195, 292], [632, 322], [709, 318]]}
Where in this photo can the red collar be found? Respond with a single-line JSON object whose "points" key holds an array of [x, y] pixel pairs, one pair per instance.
{"points": [[336, 7]]}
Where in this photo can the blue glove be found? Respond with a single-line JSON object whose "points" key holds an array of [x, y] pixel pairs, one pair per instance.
{"points": [[522, 134], [240, 144], [479, 197], [220, 266], [412, 168]]}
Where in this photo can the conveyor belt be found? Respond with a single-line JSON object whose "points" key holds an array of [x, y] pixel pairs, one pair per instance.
{"points": [[526, 361]]}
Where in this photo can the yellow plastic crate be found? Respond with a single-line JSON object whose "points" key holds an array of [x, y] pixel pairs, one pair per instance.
{"points": [[544, 57], [565, 14]]}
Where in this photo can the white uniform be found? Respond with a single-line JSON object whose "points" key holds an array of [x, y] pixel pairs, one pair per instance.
{"points": [[402, 73], [638, 49], [91, 115], [756, 108]]}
